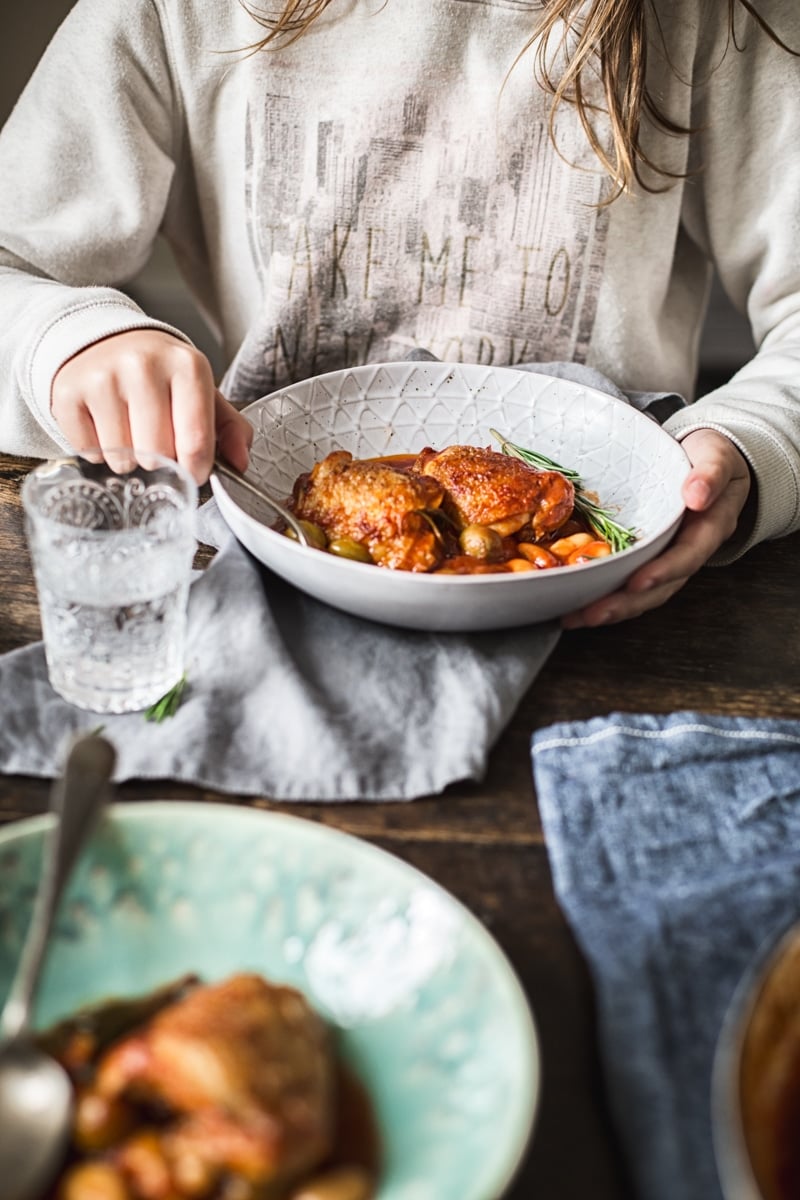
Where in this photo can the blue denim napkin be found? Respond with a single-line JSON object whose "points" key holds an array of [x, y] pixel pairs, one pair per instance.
{"points": [[674, 843]]}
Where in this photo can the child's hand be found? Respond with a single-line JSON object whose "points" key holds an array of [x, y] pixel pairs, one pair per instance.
{"points": [[714, 493], [151, 391]]}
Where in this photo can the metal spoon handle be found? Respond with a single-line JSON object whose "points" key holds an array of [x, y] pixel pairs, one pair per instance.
{"points": [[222, 468], [75, 800]]}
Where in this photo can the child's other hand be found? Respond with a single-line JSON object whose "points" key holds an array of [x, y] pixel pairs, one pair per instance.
{"points": [[714, 493], [151, 391]]}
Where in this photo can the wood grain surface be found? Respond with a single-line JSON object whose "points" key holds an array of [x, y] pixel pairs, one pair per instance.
{"points": [[727, 643]]}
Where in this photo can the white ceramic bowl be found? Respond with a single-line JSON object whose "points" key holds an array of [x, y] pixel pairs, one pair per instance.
{"points": [[635, 468]]}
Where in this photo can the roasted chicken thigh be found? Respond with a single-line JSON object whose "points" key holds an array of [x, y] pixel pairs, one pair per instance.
{"points": [[485, 487], [375, 503], [245, 1073]]}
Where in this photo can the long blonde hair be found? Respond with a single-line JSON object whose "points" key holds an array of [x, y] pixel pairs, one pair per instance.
{"points": [[612, 32]]}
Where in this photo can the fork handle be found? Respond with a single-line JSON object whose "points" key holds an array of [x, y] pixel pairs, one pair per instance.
{"points": [[75, 801], [223, 468]]}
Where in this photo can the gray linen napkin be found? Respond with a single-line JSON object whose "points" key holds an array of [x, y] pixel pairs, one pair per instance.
{"points": [[675, 848], [289, 698]]}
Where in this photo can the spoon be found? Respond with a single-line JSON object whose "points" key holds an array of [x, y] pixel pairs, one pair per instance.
{"points": [[36, 1095], [255, 489]]}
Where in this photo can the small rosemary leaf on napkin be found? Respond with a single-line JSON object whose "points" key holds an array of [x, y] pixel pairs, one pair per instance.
{"points": [[167, 706]]}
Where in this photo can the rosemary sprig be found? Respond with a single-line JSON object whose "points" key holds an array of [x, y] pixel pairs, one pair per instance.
{"points": [[167, 706], [598, 519]]}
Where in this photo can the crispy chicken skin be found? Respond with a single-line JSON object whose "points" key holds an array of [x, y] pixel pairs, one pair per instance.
{"points": [[246, 1073], [375, 503], [485, 487]]}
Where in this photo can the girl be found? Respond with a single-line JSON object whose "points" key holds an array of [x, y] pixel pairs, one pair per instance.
{"points": [[343, 181]]}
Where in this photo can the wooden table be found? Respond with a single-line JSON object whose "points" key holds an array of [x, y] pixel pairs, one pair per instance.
{"points": [[726, 644]]}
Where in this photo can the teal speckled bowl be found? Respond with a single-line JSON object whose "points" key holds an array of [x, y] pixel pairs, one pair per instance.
{"points": [[431, 1015]]}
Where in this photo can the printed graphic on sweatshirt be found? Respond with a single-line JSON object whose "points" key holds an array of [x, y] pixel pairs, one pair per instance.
{"points": [[432, 215]]}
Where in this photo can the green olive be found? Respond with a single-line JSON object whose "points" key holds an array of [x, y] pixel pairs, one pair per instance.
{"points": [[479, 541], [316, 536], [345, 547]]}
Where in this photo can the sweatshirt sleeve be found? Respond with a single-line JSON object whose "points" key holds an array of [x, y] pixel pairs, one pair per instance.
{"points": [[743, 209], [87, 159]]}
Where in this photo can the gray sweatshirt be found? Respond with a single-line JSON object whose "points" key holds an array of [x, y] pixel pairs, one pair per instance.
{"points": [[388, 182]]}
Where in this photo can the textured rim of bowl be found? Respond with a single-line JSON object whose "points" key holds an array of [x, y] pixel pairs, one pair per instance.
{"points": [[734, 1165], [521, 1133]]}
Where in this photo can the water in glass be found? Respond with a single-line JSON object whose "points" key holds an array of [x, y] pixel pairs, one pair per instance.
{"points": [[112, 556]]}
